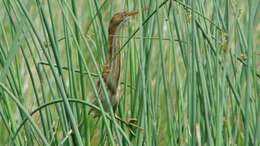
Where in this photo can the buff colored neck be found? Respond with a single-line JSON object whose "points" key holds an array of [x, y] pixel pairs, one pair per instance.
{"points": [[114, 58]]}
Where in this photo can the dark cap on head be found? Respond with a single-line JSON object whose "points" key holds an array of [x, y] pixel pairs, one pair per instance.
{"points": [[118, 18]]}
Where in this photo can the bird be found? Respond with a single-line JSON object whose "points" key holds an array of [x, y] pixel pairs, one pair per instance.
{"points": [[112, 67]]}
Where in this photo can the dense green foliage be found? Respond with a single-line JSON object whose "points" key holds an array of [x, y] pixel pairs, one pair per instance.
{"points": [[191, 72]]}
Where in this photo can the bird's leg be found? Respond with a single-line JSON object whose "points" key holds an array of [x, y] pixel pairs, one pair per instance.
{"points": [[131, 123]]}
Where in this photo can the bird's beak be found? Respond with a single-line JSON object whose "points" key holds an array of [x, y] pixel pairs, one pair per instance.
{"points": [[133, 13]]}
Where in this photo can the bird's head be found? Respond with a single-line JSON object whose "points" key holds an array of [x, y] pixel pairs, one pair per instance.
{"points": [[120, 17]]}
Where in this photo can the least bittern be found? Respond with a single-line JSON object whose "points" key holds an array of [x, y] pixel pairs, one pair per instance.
{"points": [[112, 68]]}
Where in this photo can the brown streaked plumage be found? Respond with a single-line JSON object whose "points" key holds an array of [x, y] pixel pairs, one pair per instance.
{"points": [[111, 70]]}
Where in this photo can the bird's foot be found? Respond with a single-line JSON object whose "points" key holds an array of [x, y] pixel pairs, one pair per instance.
{"points": [[132, 125]]}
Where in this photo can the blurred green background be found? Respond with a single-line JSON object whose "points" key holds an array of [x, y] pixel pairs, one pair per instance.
{"points": [[190, 72]]}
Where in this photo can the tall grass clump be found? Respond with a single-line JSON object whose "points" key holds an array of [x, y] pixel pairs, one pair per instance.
{"points": [[190, 72]]}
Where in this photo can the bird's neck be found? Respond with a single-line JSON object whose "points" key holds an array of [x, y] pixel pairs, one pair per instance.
{"points": [[114, 57]]}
